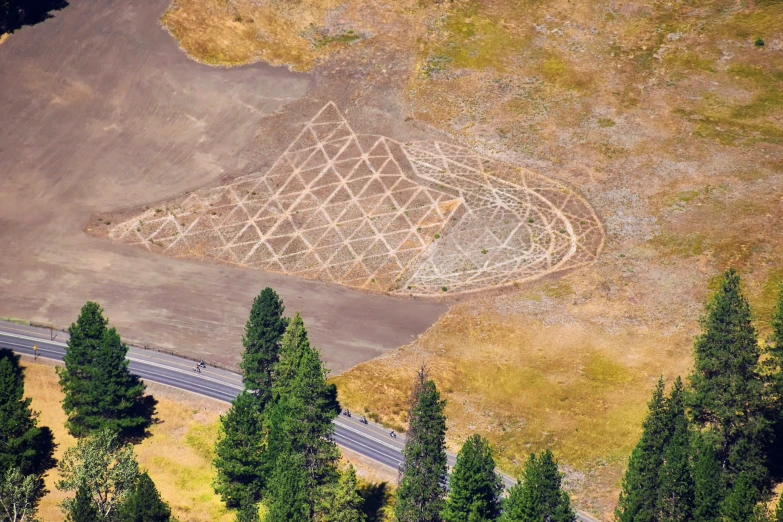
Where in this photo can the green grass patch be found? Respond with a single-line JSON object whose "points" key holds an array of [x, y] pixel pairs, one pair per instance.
{"points": [[476, 41], [603, 370], [689, 245], [202, 439], [15, 320], [690, 62]]}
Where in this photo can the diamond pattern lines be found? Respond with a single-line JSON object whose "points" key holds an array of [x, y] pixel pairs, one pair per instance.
{"points": [[369, 212]]}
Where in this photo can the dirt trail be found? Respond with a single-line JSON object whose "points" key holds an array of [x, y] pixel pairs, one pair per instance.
{"points": [[102, 111]]}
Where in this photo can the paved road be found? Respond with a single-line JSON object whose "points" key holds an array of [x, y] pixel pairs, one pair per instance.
{"points": [[370, 440]]}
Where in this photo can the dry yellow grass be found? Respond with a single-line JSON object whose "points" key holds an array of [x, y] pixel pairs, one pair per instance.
{"points": [[178, 455], [217, 32], [580, 391]]}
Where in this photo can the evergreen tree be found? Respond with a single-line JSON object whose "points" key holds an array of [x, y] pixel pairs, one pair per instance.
{"points": [[23, 444], [538, 496], [474, 492], [740, 504], [639, 494], [728, 392], [100, 392], [288, 498], [675, 494], [341, 502], [420, 495], [708, 486], [774, 376], [143, 503], [305, 407], [248, 512], [263, 332], [241, 457], [83, 508]]}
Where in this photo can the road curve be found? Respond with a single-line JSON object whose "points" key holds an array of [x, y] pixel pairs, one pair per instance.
{"points": [[369, 440]]}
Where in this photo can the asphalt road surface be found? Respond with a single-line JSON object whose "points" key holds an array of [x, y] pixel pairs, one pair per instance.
{"points": [[369, 440]]}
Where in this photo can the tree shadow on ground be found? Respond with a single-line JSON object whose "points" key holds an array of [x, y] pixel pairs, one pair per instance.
{"points": [[378, 501], [14, 14]]}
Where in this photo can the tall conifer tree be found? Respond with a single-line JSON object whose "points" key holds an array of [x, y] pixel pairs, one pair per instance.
{"points": [[474, 487], [420, 495], [241, 458], [310, 404], [264, 330], [538, 496], [23, 444], [708, 487], [289, 498], [341, 502], [639, 494], [100, 392], [83, 508], [728, 392], [675, 494], [740, 504]]}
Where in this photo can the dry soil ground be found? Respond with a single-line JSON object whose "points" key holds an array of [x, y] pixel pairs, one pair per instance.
{"points": [[102, 111]]}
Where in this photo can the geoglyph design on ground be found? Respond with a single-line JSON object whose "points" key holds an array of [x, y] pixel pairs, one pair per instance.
{"points": [[367, 211]]}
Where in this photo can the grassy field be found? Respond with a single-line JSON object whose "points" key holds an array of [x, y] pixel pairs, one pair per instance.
{"points": [[178, 455]]}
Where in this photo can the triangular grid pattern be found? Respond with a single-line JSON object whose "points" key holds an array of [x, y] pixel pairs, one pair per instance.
{"points": [[370, 212]]}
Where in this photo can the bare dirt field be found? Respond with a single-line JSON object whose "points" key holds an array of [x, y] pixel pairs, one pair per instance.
{"points": [[102, 111]]}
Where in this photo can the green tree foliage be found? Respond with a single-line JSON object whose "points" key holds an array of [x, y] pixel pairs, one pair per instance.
{"points": [[241, 461], [305, 407], [289, 498], [143, 503], [102, 464], [474, 487], [708, 486], [100, 392], [740, 504], [82, 509], [248, 512], [675, 494], [538, 496], [639, 494], [341, 502], [23, 444], [420, 496], [263, 332], [19, 496], [774, 363], [727, 390], [779, 510]]}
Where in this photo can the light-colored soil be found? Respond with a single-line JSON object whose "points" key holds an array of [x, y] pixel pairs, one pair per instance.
{"points": [[102, 111], [421, 218]]}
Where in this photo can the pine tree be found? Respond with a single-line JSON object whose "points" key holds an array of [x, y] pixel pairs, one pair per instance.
{"points": [[263, 333], [474, 492], [143, 503], [420, 495], [708, 487], [341, 502], [82, 509], [675, 494], [100, 392], [248, 512], [307, 405], [639, 494], [288, 498], [241, 460], [538, 496], [728, 392], [740, 504], [23, 444]]}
